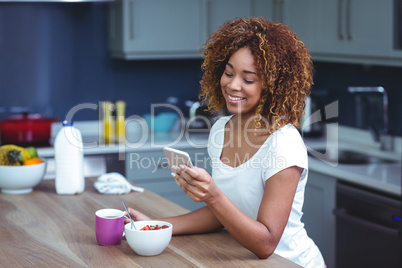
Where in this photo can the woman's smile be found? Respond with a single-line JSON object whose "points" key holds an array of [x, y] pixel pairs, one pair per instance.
{"points": [[232, 98]]}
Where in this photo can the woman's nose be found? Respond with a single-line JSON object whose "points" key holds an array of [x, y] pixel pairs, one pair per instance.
{"points": [[235, 84]]}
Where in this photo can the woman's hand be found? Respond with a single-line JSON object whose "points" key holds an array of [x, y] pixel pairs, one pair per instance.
{"points": [[135, 215], [196, 183]]}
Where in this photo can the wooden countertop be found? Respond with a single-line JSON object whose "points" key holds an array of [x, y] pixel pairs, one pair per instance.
{"points": [[45, 229]]}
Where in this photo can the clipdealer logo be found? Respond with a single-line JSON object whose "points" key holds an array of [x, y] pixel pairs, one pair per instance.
{"points": [[327, 153]]}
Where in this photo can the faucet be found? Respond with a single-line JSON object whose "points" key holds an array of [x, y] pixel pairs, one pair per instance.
{"points": [[375, 131]]}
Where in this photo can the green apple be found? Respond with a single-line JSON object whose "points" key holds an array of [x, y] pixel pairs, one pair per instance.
{"points": [[32, 151]]}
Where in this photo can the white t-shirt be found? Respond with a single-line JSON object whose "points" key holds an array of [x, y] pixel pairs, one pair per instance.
{"points": [[244, 185]]}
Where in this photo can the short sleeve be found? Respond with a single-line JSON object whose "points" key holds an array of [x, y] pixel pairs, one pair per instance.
{"points": [[284, 149]]}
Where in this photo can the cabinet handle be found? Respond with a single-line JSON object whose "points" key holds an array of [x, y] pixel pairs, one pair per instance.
{"points": [[340, 34], [348, 31], [342, 213], [274, 3], [131, 18], [277, 10], [280, 11], [205, 6]]}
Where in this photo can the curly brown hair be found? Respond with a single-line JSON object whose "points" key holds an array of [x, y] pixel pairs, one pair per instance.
{"points": [[282, 63]]}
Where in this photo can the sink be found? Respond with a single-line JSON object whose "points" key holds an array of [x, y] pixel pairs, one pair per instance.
{"points": [[346, 156]]}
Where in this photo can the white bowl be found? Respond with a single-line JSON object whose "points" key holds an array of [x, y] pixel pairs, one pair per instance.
{"points": [[21, 179], [148, 243]]}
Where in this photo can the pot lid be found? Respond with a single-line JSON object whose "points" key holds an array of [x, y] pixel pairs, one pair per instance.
{"points": [[28, 118]]}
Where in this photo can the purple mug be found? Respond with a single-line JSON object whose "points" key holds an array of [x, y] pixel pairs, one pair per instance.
{"points": [[109, 226]]}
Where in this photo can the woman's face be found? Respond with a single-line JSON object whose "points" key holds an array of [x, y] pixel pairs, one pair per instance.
{"points": [[240, 84]]}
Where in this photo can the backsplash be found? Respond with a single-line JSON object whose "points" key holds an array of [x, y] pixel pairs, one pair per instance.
{"points": [[53, 56], [335, 78]]}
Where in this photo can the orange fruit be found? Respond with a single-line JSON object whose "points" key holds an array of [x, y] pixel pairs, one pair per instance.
{"points": [[33, 161]]}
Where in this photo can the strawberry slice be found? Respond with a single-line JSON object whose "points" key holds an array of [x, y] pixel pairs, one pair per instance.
{"points": [[145, 228]]}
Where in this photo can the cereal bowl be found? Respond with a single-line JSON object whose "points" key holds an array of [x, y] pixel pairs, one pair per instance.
{"points": [[21, 179], [148, 242]]}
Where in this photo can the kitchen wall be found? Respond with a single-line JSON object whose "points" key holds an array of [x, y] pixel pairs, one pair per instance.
{"points": [[54, 56]]}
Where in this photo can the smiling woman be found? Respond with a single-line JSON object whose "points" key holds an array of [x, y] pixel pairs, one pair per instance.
{"points": [[262, 73], [281, 64]]}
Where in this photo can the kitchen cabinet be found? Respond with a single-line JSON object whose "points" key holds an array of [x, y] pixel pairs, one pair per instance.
{"points": [[150, 170], [319, 202], [159, 29], [219, 11], [298, 16], [358, 31], [347, 31], [294, 13], [156, 28]]}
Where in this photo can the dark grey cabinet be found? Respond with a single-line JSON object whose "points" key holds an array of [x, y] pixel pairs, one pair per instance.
{"points": [[318, 217]]}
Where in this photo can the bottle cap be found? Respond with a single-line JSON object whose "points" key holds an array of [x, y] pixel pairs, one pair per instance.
{"points": [[67, 123]]}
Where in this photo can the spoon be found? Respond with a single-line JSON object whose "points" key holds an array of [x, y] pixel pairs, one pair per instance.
{"points": [[132, 222]]}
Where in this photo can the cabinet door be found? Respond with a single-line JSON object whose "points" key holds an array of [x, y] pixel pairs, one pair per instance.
{"points": [[298, 15], [220, 11], [269, 9], [353, 27], [319, 202], [158, 28], [371, 28]]}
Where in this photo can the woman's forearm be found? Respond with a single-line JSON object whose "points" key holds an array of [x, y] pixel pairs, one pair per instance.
{"points": [[198, 221], [250, 233]]}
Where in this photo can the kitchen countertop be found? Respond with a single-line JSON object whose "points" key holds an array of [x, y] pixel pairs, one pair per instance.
{"points": [[384, 177], [45, 229], [154, 142]]}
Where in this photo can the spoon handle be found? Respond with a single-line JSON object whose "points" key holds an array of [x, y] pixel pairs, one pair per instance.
{"points": [[131, 220]]}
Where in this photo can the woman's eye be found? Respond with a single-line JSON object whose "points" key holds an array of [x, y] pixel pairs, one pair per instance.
{"points": [[248, 81], [228, 74]]}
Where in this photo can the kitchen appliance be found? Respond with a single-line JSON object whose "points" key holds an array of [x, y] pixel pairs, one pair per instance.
{"points": [[368, 225], [371, 105], [201, 118], [26, 130], [314, 117]]}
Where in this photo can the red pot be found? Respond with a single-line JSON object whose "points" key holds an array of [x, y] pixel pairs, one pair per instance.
{"points": [[26, 130]]}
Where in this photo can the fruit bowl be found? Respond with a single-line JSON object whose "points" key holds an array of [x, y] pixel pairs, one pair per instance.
{"points": [[150, 242], [21, 179]]}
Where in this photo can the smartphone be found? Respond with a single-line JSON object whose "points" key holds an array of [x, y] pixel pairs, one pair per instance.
{"points": [[177, 157]]}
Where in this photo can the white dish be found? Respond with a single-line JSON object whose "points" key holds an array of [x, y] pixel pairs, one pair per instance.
{"points": [[21, 179], [151, 242]]}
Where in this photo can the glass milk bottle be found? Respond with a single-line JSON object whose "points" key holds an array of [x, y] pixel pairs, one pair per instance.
{"points": [[69, 160]]}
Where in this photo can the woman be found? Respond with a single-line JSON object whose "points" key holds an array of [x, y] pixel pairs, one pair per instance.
{"points": [[261, 73]]}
